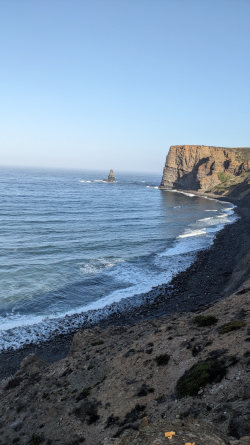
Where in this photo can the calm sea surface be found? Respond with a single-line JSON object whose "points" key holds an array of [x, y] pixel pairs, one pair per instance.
{"points": [[71, 243]]}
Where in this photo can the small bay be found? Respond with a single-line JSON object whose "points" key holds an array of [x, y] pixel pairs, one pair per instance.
{"points": [[71, 242]]}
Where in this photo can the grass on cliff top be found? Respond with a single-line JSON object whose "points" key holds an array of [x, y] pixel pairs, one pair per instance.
{"points": [[232, 326], [205, 320], [198, 376]]}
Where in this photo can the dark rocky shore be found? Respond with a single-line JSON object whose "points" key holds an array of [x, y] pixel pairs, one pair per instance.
{"points": [[216, 272]]}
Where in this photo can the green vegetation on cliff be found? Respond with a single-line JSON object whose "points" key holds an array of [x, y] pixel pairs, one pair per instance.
{"points": [[198, 376], [230, 182], [232, 326]]}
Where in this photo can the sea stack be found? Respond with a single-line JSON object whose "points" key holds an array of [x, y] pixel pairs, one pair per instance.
{"points": [[111, 176]]}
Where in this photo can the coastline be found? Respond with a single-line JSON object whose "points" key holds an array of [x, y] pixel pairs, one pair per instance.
{"points": [[209, 275]]}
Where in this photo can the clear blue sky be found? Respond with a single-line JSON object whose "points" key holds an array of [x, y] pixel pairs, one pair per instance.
{"points": [[112, 83]]}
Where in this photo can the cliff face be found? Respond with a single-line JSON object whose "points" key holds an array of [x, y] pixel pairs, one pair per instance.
{"points": [[207, 169]]}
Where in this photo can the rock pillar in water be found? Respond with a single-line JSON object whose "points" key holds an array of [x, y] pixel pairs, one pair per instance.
{"points": [[111, 176]]}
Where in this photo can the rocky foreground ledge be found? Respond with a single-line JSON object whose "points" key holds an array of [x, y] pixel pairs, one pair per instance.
{"points": [[185, 373]]}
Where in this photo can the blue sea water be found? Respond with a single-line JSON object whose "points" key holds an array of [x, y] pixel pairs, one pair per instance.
{"points": [[71, 243]]}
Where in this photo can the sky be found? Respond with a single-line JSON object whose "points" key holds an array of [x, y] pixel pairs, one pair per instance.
{"points": [[100, 84]]}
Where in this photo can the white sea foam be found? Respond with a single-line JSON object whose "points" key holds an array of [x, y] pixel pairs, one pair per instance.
{"points": [[16, 321], [201, 234], [223, 215], [97, 265], [185, 246], [183, 193], [89, 269], [88, 181], [214, 220], [189, 233], [39, 328], [210, 218]]}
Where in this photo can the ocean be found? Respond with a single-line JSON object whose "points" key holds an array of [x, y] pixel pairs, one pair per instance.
{"points": [[74, 246]]}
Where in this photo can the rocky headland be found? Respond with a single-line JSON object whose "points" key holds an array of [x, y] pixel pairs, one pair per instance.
{"points": [[208, 170], [179, 363]]}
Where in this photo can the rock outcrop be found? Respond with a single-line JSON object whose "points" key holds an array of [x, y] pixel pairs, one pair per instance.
{"points": [[207, 169], [111, 176], [119, 384]]}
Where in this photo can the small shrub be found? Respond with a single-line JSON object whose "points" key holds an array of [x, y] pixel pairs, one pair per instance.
{"points": [[144, 390], [196, 349], [97, 343], [129, 353], [205, 320], [87, 411], [13, 383], [111, 421], [149, 351], [92, 414], [19, 407], [132, 416], [223, 177], [35, 439], [83, 394], [243, 291], [162, 360], [232, 326], [216, 353], [198, 376], [161, 398]]}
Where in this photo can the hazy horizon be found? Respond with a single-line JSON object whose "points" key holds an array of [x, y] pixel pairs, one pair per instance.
{"points": [[106, 84], [102, 171]]}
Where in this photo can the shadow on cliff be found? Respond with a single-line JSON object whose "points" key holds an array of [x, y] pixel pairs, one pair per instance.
{"points": [[189, 181]]}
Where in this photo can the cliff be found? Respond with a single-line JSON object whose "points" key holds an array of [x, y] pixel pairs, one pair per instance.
{"points": [[206, 169]]}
